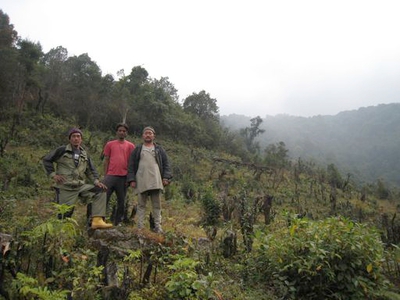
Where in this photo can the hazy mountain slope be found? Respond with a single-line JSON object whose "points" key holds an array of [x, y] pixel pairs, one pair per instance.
{"points": [[364, 142]]}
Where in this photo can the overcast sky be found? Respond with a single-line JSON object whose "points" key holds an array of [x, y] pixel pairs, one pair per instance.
{"points": [[256, 58]]}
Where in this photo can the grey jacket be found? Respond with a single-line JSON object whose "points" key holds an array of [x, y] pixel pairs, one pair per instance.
{"points": [[161, 158]]}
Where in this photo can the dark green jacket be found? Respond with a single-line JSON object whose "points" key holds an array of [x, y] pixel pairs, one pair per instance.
{"points": [[63, 158]]}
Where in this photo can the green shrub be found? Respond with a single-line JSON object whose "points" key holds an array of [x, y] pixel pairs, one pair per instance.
{"points": [[171, 192], [28, 288], [189, 189], [211, 208], [329, 259], [186, 283]]}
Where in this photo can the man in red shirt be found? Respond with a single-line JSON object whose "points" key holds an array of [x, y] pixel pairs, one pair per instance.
{"points": [[116, 157]]}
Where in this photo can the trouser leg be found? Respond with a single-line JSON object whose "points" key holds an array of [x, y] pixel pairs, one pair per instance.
{"points": [[120, 191], [89, 214], [98, 203], [57, 195], [67, 214], [67, 197], [99, 199], [141, 209], [109, 181], [156, 205]]}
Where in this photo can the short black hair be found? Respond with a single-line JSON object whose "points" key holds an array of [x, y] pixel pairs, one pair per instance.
{"points": [[122, 125]]}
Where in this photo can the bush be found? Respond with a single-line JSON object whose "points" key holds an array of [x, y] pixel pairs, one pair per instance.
{"points": [[186, 283], [15, 172], [211, 208], [329, 259]]}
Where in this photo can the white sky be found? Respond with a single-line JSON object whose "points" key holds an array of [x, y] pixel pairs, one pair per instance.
{"points": [[296, 57]]}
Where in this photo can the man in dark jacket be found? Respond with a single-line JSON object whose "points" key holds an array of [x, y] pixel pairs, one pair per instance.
{"points": [[73, 167], [149, 172]]}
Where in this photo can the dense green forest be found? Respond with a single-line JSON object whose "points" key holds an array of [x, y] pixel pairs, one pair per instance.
{"points": [[74, 86], [246, 217]]}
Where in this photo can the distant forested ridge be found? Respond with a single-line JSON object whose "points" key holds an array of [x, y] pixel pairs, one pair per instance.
{"points": [[363, 142]]}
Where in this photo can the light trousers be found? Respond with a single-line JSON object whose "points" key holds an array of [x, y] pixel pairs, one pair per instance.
{"points": [[155, 197]]}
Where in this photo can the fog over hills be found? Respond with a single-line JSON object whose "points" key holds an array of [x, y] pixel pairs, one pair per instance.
{"points": [[363, 142]]}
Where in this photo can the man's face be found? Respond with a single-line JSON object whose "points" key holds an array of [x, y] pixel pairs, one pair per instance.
{"points": [[148, 136], [122, 133], [75, 139]]}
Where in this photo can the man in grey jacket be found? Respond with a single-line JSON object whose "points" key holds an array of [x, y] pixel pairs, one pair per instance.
{"points": [[149, 172]]}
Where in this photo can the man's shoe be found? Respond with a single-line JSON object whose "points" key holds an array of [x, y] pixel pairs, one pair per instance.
{"points": [[159, 230], [98, 223]]}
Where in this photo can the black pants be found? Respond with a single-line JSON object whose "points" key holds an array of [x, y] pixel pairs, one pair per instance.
{"points": [[118, 185]]}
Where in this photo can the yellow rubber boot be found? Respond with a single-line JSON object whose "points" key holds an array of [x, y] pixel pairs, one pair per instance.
{"points": [[98, 223]]}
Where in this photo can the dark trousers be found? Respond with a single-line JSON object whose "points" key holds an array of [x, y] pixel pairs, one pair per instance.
{"points": [[118, 185]]}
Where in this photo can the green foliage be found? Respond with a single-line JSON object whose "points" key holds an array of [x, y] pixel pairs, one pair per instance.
{"points": [[55, 236], [329, 259], [185, 283], [8, 34], [189, 189], [362, 142], [57, 263], [201, 105], [133, 255], [43, 95], [171, 192], [40, 125], [85, 275], [249, 135], [180, 286], [382, 191], [247, 219], [196, 168], [334, 177], [202, 125], [28, 288], [276, 155], [16, 171], [211, 208]]}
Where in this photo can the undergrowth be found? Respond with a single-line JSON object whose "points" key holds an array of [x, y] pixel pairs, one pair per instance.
{"points": [[320, 243]]}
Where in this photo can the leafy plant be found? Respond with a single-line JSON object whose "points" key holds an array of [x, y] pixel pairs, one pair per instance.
{"points": [[85, 276], [185, 283], [54, 234], [211, 208], [29, 288], [329, 259]]}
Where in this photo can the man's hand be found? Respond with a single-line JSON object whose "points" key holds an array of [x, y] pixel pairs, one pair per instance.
{"points": [[133, 184], [165, 182], [101, 185], [60, 179]]}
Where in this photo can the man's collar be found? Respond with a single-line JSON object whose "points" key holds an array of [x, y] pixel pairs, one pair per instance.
{"points": [[70, 148]]}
